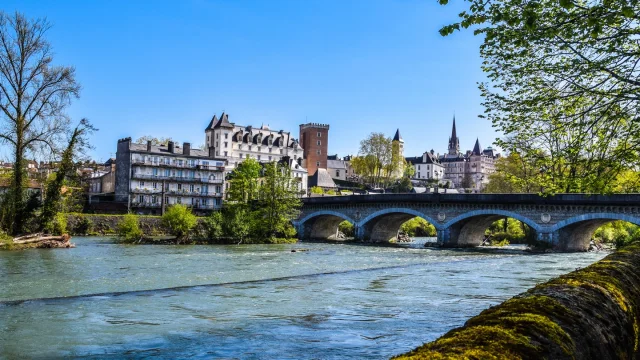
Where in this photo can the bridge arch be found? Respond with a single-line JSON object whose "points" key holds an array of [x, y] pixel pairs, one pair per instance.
{"points": [[321, 225], [575, 233], [468, 229], [383, 225]]}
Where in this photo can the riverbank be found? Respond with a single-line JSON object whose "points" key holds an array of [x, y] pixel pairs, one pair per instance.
{"points": [[591, 313]]}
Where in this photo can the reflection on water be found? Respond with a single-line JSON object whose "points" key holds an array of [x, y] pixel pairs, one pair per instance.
{"points": [[253, 301]]}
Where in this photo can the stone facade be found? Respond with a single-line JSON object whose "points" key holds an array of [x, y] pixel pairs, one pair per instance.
{"points": [[565, 221]]}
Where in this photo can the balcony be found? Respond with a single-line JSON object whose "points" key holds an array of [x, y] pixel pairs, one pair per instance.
{"points": [[192, 193], [145, 204], [173, 164], [197, 179]]}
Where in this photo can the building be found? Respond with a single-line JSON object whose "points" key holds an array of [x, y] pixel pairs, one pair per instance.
{"points": [[322, 179], [103, 180], [341, 169], [235, 143], [397, 146], [298, 173], [315, 144], [427, 166], [149, 178], [470, 170]]}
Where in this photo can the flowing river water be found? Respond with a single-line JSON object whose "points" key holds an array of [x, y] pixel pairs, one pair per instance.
{"points": [[331, 301]]}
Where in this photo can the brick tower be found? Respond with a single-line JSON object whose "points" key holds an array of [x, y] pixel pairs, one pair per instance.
{"points": [[314, 139]]}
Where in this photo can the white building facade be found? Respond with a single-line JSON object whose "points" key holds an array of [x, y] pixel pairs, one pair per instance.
{"points": [[427, 166]]}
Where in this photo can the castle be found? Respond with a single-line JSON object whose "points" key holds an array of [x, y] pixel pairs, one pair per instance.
{"points": [[470, 170]]}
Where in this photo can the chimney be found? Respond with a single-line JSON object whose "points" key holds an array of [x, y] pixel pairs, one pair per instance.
{"points": [[149, 145], [171, 147], [186, 148]]}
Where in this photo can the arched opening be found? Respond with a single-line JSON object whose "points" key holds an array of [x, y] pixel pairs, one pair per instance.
{"points": [[575, 234], [323, 226], [417, 228], [508, 231], [470, 230], [616, 233], [384, 226]]}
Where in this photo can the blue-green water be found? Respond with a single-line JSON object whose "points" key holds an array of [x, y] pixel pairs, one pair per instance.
{"points": [[334, 301]]}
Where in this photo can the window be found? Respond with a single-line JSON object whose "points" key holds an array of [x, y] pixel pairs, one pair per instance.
{"points": [[179, 200], [317, 152], [258, 157], [319, 142], [218, 189], [259, 148], [141, 199], [226, 135], [269, 158], [217, 136], [216, 144], [226, 144], [249, 147], [318, 163], [155, 185], [179, 186], [225, 153], [208, 140], [191, 187], [141, 184], [179, 162], [270, 149], [337, 173], [418, 175], [319, 134], [154, 199], [281, 151]]}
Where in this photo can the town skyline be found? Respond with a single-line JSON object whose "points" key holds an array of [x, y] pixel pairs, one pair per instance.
{"points": [[283, 78]]}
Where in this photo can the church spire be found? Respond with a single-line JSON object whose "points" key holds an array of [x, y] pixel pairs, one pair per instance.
{"points": [[476, 148], [454, 142]]}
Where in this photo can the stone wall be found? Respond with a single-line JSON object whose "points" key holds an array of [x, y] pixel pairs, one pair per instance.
{"points": [[592, 313], [107, 224]]}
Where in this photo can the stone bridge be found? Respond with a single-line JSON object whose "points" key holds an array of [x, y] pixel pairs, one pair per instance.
{"points": [[566, 221]]}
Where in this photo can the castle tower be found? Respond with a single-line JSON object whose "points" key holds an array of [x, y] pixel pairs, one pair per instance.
{"points": [[454, 142], [314, 139], [398, 145]]}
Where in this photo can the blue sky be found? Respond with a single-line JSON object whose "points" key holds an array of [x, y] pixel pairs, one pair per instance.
{"points": [[163, 68]]}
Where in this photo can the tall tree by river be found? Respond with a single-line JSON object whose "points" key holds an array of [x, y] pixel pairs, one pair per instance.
{"points": [[33, 96], [564, 85]]}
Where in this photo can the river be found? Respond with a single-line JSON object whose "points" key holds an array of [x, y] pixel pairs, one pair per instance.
{"points": [[331, 301]]}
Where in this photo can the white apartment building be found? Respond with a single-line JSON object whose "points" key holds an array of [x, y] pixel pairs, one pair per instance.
{"points": [[151, 178]]}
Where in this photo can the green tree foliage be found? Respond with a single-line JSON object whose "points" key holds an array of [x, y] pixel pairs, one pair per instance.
{"points": [[466, 182], [619, 233], [378, 160], [563, 85], [278, 201], [154, 140], [213, 226], [244, 181], [52, 202], [179, 220], [514, 174], [129, 229], [347, 229], [509, 230], [418, 227], [239, 222], [316, 190], [33, 96]]}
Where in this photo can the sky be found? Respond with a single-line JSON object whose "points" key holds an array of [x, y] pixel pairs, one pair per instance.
{"points": [[164, 68]]}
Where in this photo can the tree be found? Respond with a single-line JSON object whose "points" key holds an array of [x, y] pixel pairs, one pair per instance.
{"points": [[129, 229], [564, 82], [466, 182], [33, 96], [53, 193], [154, 140], [378, 160], [278, 201], [213, 225], [179, 220], [244, 181], [515, 174], [238, 221]]}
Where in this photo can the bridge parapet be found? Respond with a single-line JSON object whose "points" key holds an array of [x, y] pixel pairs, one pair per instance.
{"points": [[564, 220]]}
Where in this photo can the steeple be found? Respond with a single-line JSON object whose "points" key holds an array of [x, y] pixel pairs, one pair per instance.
{"points": [[476, 148], [454, 142], [214, 121], [397, 137]]}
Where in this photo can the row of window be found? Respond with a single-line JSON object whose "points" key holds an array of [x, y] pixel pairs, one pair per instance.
{"points": [[158, 160], [153, 199], [190, 187]]}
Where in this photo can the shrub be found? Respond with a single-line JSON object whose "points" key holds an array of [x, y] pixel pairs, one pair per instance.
{"points": [[418, 227], [179, 220], [58, 225], [316, 190], [83, 225], [331, 192], [289, 231], [213, 225], [346, 228], [129, 229]]}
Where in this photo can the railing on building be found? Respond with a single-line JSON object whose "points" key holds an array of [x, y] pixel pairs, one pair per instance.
{"points": [[201, 179], [184, 165]]}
